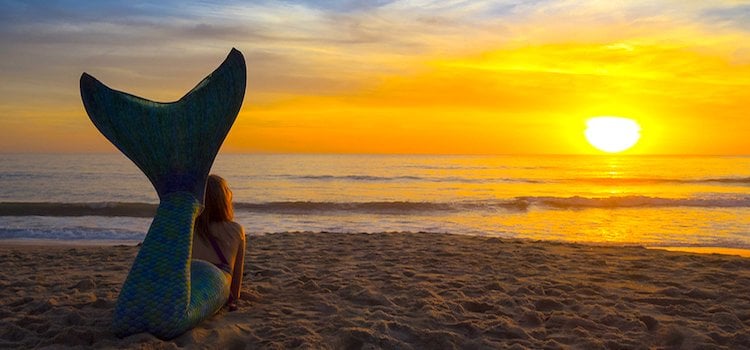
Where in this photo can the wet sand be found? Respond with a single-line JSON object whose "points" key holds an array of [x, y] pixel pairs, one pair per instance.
{"points": [[400, 291]]}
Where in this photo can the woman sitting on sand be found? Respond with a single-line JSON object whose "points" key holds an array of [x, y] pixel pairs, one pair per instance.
{"points": [[218, 239]]}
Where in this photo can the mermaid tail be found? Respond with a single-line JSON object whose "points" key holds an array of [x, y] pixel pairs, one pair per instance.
{"points": [[166, 294], [174, 144]]}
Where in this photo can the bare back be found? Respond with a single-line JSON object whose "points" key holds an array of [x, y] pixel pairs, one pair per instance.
{"points": [[231, 240]]}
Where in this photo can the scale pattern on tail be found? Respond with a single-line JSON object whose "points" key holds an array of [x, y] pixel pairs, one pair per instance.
{"points": [[164, 293]]}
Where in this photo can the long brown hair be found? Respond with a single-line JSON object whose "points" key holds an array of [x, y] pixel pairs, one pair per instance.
{"points": [[218, 205]]}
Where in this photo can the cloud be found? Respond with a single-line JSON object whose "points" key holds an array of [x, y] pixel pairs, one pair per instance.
{"points": [[737, 16], [343, 5]]}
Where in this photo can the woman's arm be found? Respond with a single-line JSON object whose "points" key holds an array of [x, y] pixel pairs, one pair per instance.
{"points": [[237, 270]]}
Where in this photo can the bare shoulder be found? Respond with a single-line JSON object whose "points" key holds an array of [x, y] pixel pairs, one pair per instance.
{"points": [[238, 229], [231, 228]]}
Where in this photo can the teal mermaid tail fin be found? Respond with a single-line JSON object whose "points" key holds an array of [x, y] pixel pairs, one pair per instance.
{"points": [[174, 144]]}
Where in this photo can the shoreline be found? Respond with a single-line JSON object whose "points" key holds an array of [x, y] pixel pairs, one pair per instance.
{"points": [[396, 290], [705, 250], [63, 243]]}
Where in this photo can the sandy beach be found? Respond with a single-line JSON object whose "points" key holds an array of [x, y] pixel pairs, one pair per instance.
{"points": [[401, 291]]}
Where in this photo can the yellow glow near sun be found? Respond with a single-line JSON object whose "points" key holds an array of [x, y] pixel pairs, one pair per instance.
{"points": [[612, 134]]}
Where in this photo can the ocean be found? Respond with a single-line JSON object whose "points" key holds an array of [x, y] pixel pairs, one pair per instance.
{"points": [[635, 200]]}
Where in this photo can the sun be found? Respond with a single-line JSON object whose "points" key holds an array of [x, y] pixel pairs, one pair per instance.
{"points": [[612, 134]]}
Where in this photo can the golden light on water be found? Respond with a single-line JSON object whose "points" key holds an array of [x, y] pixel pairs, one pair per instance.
{"points": [[612, 134]]}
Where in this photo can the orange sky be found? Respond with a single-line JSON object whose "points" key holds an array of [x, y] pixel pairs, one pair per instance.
{"points": [[419, 77]]}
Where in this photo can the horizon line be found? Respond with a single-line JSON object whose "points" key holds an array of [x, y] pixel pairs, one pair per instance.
{"points": [[417, 154]]}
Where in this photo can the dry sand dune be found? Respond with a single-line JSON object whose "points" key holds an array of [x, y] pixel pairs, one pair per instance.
{"points": [[401, 291]]}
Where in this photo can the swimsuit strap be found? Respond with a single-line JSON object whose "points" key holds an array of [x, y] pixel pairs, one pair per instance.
{"points": [[218, 252]]}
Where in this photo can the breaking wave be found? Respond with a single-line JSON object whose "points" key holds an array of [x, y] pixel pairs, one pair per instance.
{"points": [[383, 207]]}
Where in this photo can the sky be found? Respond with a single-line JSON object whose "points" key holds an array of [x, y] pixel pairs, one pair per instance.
{"points": [[413, 77]]}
